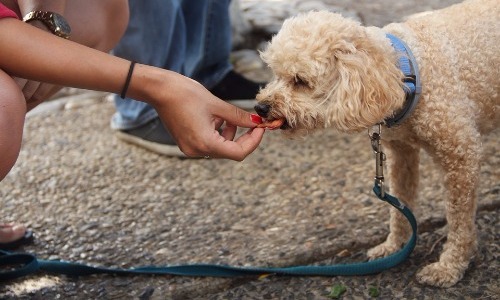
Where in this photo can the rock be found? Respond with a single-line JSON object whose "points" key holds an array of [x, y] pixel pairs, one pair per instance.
{"points": [[260, 19], [254, 22]]}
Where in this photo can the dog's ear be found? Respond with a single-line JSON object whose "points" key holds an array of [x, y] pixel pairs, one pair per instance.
{"points": [[366, 88]]}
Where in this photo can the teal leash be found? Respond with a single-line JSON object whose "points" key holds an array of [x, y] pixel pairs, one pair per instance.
{"points": [[31, 264], [27, 264]]}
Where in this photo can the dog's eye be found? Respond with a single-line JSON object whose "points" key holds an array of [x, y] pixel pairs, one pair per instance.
{"points": [[300, 82]]}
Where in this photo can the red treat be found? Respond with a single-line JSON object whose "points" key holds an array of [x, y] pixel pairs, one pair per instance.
{"points": [[274, 124]]}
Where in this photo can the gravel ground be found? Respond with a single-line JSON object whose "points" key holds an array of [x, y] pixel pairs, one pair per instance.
{"points": [[90, 197], [290, 203]]}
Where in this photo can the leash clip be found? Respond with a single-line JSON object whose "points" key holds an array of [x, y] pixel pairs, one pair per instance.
{"points": [[375, 133]]}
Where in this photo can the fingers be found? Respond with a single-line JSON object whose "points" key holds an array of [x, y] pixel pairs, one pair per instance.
{"points": [[44, 92], [35, 92], [241, 147], [235, 115], [30, 89], [221, 144], [229, 132], [20, 82], [194, 122], [218, 123]]}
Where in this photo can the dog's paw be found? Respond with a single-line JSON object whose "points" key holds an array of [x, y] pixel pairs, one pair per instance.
{"points": [[382, 250], [440, 275]]}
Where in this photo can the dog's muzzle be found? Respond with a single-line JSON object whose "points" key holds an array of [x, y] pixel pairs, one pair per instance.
{"points": [[263, 111]]}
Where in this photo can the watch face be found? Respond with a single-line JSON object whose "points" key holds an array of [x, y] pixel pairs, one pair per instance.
{"points": [[62, 27]]}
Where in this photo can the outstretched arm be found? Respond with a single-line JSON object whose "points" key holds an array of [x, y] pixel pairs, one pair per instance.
{"points": [[94, 23], [191, 113]]}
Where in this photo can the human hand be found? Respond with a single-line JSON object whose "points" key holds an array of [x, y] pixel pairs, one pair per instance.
{"points": [[193, 116], [35, 92]]}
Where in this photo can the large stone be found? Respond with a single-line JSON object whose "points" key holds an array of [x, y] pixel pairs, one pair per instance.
{"points": [[257, 20], [254, 22]]}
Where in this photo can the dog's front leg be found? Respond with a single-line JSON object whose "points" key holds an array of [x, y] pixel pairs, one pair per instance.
{"points": [[459, 155], [402, 162]]}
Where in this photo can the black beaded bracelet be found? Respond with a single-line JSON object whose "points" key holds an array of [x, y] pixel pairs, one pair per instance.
{"points": [[127, 81]]}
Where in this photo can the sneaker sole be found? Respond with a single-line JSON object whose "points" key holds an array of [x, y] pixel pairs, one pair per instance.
{"points": [[167, 150]]}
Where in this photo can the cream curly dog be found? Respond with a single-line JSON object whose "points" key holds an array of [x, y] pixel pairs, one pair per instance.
{"points": [[331, 72]]}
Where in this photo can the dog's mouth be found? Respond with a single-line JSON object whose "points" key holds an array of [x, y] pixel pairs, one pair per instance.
{"points": [[285, 125], [270, 121], [279, 123]]}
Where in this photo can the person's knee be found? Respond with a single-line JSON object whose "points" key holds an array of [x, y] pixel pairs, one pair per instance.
{"points": [[97, 24], [12, 117], [116, 19]]}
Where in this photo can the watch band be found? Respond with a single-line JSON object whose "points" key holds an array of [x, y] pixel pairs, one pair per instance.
{"points": [[54, 22]]}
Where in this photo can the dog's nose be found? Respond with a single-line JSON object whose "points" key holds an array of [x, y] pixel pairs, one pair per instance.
{"points": [[262, 109]]}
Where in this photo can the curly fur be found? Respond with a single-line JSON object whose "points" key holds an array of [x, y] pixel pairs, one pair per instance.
{"points": [[331, 72]]}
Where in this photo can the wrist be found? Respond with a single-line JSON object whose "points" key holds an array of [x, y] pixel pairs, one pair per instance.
{"points": [[52, 21], [149, 84], [39, 24]]}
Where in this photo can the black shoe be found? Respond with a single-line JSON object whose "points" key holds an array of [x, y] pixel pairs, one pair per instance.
{"points": [[152, 136], [237, 90]]}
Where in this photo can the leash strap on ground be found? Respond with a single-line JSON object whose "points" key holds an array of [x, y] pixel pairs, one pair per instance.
{"points": [[15, 265]]}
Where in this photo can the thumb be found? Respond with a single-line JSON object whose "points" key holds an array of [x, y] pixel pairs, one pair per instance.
{"points": [[238, 116]]}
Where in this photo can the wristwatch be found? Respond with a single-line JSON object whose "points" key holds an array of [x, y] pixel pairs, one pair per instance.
{"points": [[54, 22]]}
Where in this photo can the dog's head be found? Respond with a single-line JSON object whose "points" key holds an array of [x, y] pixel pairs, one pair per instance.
{"points": [[329, 72]]}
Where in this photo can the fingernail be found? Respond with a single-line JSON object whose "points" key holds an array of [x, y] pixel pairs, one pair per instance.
{"points": [[256, 118]]}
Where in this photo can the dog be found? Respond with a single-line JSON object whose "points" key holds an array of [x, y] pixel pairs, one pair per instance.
{"points": [[332, 72]]}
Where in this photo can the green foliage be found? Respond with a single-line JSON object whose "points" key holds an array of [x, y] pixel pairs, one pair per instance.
{"points": [[337, 291], [373, 291]]}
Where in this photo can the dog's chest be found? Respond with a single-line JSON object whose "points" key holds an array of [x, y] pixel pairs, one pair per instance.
{"points": [[402, 133]]}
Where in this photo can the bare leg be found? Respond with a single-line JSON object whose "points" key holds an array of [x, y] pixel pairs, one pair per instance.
{"points": [[97, 24], [12, 113]]}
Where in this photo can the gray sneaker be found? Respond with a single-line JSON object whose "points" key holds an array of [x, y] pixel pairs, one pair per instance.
{"points": [[152, 136]]}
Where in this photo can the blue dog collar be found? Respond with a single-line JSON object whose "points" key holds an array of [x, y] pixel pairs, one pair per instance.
{"points": [[413, 88]]}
